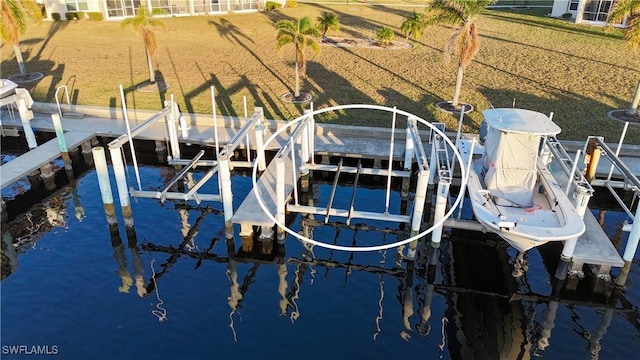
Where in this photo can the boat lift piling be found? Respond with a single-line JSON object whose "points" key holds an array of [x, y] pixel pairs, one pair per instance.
{"points": [[105, 188]]}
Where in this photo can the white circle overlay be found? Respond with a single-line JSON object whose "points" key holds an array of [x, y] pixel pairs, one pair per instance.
{"points": [[359, 248]]}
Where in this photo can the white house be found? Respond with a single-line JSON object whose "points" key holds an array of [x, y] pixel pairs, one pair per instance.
{"points": [[119, 9], [592, 12]]}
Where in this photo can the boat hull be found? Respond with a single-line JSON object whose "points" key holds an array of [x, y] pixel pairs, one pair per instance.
{"points": [[551, 218]]}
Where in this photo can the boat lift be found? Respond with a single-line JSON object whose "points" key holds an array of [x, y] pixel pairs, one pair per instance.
{"points": [[597, 147], [299, 147], [170, 114]]}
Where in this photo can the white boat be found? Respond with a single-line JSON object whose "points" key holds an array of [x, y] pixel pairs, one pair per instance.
{"points": [[512, 192], [7, 88]]}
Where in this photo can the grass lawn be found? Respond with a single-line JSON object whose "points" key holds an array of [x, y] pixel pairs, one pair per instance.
{"points": [[548, 65]]}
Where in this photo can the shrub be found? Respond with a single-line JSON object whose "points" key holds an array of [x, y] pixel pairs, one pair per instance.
{"points": [[385, 36], [72, 15], [55, 16], [567, 16], [272, 5], [95, 16], [291, 3]]}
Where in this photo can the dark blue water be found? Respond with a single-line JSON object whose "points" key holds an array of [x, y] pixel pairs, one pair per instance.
{"points": [[86, 294]]}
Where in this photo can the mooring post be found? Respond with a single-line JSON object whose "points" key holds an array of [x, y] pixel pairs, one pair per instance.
{"points": [[105, 187], [280, 198], [62, 144], [441, 204], [227, 194], [121, 184], [630, 249], [582, 197], [86, 153]]}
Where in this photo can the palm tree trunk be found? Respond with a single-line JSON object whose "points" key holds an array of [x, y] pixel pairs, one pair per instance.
{"points": [[636, 99], [18, 53], [152, 74], [297, 86], [456, 93]]}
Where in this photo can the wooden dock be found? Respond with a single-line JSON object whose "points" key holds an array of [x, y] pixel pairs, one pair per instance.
{"points": [[26, 163]]}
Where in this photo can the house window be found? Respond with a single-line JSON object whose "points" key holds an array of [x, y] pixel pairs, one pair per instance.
{"points": [[597, 10], [121, 8], [573, 5], [171, 6], [77, 5]]}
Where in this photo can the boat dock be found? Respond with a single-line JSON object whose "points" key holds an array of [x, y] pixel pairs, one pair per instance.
{"points": [[395, 154]]}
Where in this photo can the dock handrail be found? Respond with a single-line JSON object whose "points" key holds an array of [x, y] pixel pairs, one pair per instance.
{"points": [[66, 94]]}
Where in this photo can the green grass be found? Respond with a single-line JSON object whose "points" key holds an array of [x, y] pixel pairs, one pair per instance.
{"points": [[547, 65]]}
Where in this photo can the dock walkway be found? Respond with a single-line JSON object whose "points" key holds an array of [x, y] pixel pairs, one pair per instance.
{"points": [[26, 163]]}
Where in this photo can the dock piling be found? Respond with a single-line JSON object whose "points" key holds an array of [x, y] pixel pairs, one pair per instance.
{"points": [[630, 249], [121, 183], [105, 186], [227, 195], [86, 153], [441, 204]]}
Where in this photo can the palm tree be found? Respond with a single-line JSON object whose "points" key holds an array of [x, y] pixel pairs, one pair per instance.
{"points": [[629, 10], [144, 23], [414, 25], [385, 36], [327, 21], [464, 42], [303, 35], [13, 24]]}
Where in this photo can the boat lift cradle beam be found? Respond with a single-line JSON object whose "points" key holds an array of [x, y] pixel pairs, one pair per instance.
{"points": [[415, 219]]}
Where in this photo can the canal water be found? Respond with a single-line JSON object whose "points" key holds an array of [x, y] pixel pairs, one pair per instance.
{"points": [[177, 289]]}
